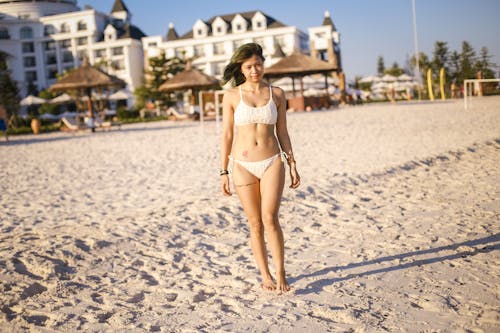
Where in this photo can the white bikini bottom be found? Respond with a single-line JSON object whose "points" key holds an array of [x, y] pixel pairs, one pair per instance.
{"points": [[258, 168]]}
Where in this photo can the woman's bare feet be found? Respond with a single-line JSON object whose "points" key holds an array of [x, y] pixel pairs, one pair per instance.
{"points": [[282, 285], [268, 283]]}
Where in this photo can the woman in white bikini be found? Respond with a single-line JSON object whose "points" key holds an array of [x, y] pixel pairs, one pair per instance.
{"points": [[256, 156]]}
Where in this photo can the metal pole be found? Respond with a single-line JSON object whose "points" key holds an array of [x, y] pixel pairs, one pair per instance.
{"points": [[415, 40]]}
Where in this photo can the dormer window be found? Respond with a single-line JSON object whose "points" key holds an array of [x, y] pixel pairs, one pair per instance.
{"points": [[239, 23], [200, 29], [259, 21], [219, 26]]}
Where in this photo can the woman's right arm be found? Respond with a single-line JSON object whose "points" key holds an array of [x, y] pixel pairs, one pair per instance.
{"points": [[226, 140]]}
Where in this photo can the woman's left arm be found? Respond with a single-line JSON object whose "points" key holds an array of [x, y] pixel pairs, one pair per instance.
{"points": [[283, 137]]}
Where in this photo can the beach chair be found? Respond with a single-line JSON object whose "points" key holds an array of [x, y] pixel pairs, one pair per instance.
{"points": [[105, 124], [71, 125], [176, 115]]}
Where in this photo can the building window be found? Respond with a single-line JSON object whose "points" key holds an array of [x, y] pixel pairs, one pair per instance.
{"points": [[154, 44], [219, 30], [82, 25], [49, 30], [66, 43], [67, 56], [219, 48], [238, 27], [82, 41], [259, 41], [237, 43], [81, 55], [30, 76], [99, 53], [24, 16], [117, 51], [50, 45], [199, 32], [4, 33], [259, 24], [118, 64], [29, 62], [51, 59], [180, 53], [51, 73], [26, 33], [199, 50], [28, 47], [64, 27], [219, 68]]}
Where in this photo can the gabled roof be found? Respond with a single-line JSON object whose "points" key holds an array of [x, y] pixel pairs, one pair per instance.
{"points": [[126, 30], [119, 6], [271, 22], [130, 31], [172, 34], [328, 21]]}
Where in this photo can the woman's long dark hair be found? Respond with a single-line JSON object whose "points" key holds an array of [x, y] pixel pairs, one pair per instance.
{"points": [[232, 72]]}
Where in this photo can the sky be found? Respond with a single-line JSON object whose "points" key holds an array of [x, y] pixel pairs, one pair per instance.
{"points": [[368, 28]]}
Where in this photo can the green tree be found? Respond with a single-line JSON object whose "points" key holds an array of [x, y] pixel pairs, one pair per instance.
{"points": [[441, 56], [47, 107], [467, 61], [380, 65], [455, 67], [395, 70], [484, 64], [9, 92], [160, 69]]}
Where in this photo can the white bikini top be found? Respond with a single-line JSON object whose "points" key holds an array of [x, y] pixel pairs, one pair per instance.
{"points": [[245, 114]]}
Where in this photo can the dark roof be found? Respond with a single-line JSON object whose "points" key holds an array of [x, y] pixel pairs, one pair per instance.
{"points": [[172, 34], [119, 6], [328, 21], [271, 22], [130, 31]]}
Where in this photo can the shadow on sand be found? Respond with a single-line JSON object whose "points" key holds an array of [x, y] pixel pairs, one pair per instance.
{"points": [[487, 244]]}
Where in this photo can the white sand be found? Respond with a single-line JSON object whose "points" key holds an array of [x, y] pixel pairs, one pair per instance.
{"points": [[395, 228]]}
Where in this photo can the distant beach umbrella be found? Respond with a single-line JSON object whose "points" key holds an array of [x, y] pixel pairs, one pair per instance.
{"points": [[388, 78], [120, 95], [405, 77], [32, 100], [64, 98]]}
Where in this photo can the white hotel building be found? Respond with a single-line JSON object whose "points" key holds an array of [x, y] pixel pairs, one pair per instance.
{"points": [[211, 43], [47, 37]]}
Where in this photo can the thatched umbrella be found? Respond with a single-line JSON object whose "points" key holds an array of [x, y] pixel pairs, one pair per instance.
{"points": [[190, 78], [299, 65], [86, 78]]}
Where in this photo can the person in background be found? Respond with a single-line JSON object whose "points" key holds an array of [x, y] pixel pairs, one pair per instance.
{"points": [[4, 122]]}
